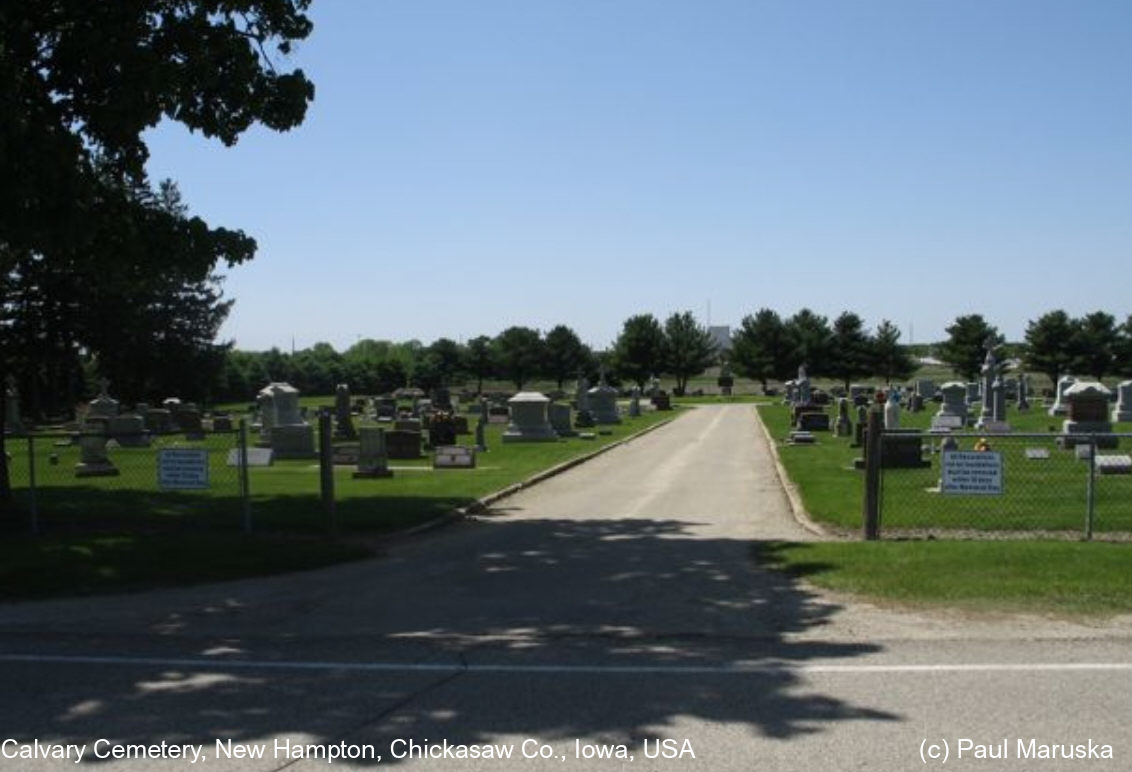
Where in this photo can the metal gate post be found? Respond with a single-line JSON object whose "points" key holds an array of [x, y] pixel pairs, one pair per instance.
{"points": [[1091, 488], [872, 475], [245, 487]]}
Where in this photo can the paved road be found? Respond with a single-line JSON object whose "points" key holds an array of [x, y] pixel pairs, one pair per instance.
{"points": [[620, 603]]}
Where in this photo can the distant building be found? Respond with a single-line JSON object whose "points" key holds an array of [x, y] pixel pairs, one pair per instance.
{"points": [[721, 337]]}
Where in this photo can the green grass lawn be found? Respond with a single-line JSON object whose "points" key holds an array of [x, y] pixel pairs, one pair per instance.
{"points": [[105, 533], [1047, 495], [1064, 578], [1070, 578]]}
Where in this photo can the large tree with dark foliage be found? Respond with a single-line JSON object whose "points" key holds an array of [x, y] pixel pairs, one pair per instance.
{"points": [[639, 352], [965, 347], [80, 227], [566, 355], [519, 354], [888, 358], [1094, 343], [809, 340], [1048, 346], [850, 349], [688, 348], [759, 349]]}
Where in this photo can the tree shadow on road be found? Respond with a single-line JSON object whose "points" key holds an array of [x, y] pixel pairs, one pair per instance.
{"points": [[618, 629]]}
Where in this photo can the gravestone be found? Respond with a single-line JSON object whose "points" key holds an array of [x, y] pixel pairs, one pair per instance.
{"points": [[860, 394], [603, 403], [996, 421], [1113, 464], [892, 411], [802, 437], [989, 374], [803, 394], [93, 459], [373, 459], [926, 389], [635, 403], [256, 457], [454, 457], [859, 429], [1037, 454], [1023, 390], [128, 430], [1123, 410], [441, 429], [1060, 407], [158, 420], [844, 426], [529, 418], [187, 418], [102, 408], [902, 449], [582, 395], [559, 415], [283, 428], [344, 454], [973, 394], [343, 416], [12, 421], [481, 439], [400, 444], [1087, 407], [441, 398], [952, 412], [221, 423], [812, 421], [408, 425], [661, 400], [386, 409]]}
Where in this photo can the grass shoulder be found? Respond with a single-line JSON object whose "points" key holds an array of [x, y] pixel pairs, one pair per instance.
{"points": [[1071, 579]]}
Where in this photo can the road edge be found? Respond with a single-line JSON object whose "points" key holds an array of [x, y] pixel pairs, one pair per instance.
{"points": [[797, 507]]}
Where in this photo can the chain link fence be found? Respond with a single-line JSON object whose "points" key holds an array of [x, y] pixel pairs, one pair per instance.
{"points": [[85, 481], [1006, 486]]}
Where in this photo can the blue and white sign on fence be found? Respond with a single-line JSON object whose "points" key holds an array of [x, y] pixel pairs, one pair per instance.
{"points": [[972, 473], [182, 469]]}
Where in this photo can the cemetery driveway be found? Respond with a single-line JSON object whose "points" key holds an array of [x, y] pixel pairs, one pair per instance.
{"points": [[619, 603]]}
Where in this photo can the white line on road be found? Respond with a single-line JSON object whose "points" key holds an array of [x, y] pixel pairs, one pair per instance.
{"points": [[452, 667]]}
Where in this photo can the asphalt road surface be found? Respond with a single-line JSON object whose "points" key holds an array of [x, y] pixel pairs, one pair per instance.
{"points": [[619, 608]]}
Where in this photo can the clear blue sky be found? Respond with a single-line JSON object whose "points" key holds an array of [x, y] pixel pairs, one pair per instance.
{"points": [[466, 166]]}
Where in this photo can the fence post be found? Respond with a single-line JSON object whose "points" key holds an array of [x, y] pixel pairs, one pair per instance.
{"points": [[872, 475], [245, 487], [32, 503], [1091, 488], [326, 470]]}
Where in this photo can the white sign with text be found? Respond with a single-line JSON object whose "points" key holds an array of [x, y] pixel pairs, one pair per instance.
{"points": [[182, 469], [972, 473]]}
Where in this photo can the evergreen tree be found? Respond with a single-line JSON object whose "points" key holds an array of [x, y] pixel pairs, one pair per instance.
{"points": [[689, 349], [519, 353], [759, 349], [965, 348], [890, 360], [639, 352], [1048, 345], [851, 349], [565, 354], [1094, 344]]}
